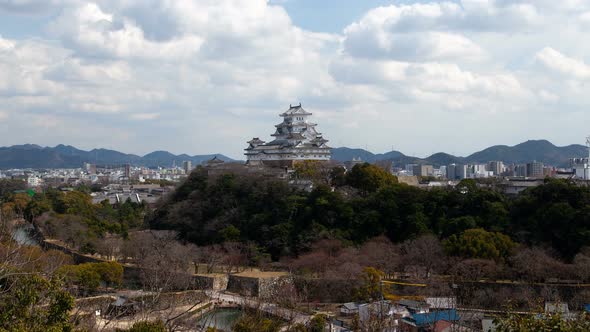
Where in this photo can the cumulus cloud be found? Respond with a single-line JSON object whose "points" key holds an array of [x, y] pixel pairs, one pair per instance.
{"points": [[223, 69], [558, 63], [91, 31]]}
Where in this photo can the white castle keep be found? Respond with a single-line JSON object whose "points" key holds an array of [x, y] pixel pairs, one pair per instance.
{"points": [[295, 139]]}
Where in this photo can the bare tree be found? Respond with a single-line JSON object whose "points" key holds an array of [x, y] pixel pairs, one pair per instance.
{"points": [[425, 253], [537, 265], [110, 247], [382, 254]]}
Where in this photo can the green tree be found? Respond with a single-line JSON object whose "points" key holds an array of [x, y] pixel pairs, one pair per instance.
{"points": [[36, 304], [369, 178], [479, 243], [317, 323], [36, 207], [458, 225], [230, 233], [157, 326], [313, 170], [543, 323], [338, 176], [371, 288], [256, 322], [89, 275]]}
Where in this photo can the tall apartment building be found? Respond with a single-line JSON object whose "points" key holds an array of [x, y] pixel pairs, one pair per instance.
{"points": [[423, 170], [456, 171], [520, 170], [534, 169], [496, 167], [187, 166]]}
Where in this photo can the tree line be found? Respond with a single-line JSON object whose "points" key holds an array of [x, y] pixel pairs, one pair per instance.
{"points": [[367, 202]]}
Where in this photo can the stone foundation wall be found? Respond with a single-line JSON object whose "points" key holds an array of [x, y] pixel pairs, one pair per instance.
{"points": [[328, 290], [245, 286], [214, 282]]}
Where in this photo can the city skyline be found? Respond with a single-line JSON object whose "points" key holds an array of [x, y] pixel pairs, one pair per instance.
{"points": [[201, 77]]}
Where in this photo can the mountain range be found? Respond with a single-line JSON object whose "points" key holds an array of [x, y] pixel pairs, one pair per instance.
{"points": [[532, 150], [66, 156]]}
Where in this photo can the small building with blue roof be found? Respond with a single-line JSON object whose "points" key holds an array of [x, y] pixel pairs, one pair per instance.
{"points": [[425, 321]]}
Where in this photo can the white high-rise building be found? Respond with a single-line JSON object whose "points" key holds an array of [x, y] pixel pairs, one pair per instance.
{"points": [[295, 139], [581, 166]]}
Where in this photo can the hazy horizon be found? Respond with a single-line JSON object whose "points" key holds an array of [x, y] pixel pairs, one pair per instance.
{"points": [[242, 157]]}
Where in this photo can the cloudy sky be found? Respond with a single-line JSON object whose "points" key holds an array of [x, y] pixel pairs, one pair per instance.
{"points": [[204, 76]]}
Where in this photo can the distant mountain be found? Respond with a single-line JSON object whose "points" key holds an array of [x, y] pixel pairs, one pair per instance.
{"points": [[66, 156], [345, 154], [160, 158], [539, 150]]}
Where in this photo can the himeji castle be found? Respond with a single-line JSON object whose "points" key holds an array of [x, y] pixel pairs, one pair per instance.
{"points": [[295, 139]]}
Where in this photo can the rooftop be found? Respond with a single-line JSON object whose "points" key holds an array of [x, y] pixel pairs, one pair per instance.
{"points": [[295, 110]]}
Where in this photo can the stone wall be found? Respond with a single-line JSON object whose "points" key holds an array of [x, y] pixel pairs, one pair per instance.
{"points": [[216, 282], [246, 286], [265, 287], [328, 290]]}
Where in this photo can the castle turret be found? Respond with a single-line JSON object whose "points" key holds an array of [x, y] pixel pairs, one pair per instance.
{"points": [[294, 139]]}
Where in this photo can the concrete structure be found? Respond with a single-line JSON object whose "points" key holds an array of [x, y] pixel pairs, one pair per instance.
{"points": [[520, 170], [581, 166], [258, 284], [477, 171], [456, 172], [410, 168], [33, 181], [423, 170], [516, 186], [451, 171], [534, 169], [496, 167], [350, 308], [296, 139], [187, 166]]}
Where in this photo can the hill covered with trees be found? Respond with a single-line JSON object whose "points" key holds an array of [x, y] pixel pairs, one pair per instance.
{"points": [[368, 202]]}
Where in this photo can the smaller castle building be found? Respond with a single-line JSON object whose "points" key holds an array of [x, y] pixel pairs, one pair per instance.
{"points": [[295, 139]]}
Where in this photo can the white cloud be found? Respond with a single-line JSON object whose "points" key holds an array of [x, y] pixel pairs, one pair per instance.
{"points": [[556, 62], [212, 73], [144, 116], [94, 32]]}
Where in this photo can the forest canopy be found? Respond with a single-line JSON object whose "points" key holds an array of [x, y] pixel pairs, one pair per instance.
{"points": [[367, 202]]}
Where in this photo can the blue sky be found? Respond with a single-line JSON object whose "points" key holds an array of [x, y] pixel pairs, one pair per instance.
{"points": [[328, 15], [204, 76]]}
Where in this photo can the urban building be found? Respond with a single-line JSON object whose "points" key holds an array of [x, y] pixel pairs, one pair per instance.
{"points": [[451, 171], [581, 166], [423, 170], [520, 170], [187, 166], [295, 139], [534, 169], [477, 171], [355, 161], [410, 168], [460, 171], [496, 167], [456, 172], [33, 181]]}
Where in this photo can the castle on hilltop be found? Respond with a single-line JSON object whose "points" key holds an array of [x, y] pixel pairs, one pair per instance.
{"points": [[295, 139]]}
